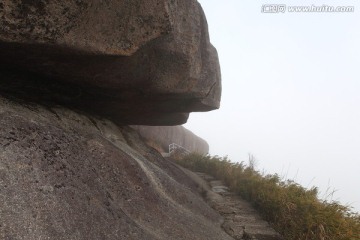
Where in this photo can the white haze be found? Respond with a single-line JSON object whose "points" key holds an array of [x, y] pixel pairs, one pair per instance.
{"points": [[291, 93]]}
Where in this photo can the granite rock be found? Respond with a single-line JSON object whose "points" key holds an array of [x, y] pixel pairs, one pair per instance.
{"points": [[65, 175], [147, 62], [163, 136]]}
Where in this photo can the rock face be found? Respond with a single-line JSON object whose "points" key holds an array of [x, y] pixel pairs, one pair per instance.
{"points": [[71, 73], [64, 175], [165, 135], [145, 62]]}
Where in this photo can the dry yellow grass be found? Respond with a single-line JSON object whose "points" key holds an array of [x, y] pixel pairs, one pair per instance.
{"points": [[294, 211]]}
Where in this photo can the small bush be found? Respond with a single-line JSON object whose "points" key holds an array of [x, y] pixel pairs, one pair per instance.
{"points": [[294, 211]]}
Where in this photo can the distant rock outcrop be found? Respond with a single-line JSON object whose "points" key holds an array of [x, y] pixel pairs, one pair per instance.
{"points": [[145, 62], [163, 136], [68, 176]]}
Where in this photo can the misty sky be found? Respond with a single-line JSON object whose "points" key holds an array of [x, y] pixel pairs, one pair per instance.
{"points": [[291, 92]]}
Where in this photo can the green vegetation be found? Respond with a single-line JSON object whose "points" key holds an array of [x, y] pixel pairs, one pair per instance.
{"points": [[294, 211]]}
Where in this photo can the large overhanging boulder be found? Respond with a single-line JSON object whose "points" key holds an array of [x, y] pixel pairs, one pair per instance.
{"points": [[145, 62]]}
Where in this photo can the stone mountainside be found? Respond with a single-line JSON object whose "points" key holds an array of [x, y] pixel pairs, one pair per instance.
{"points": [[73, 75], [140, 62], [166, 135], [67, 176]]}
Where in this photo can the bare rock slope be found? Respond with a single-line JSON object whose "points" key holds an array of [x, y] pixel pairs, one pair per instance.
{"points": [[145, 62], [73, 74], [64, 175]]}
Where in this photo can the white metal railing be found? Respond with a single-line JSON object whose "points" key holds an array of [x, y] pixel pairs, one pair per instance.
{"points": [[175, 148]]}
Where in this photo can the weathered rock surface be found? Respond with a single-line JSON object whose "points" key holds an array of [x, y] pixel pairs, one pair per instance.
{"points": [[163, 136], [64, 175], [145, 62]]}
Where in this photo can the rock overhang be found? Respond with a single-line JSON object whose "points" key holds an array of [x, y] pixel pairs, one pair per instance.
{"points": [[139, 62]]}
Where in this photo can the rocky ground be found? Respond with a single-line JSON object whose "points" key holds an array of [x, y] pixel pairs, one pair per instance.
{"points": [[241, 221], [65, 175], [68, 176]]}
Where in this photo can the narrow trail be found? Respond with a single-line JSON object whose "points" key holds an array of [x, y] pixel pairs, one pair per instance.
{"points": [[241, 221]]}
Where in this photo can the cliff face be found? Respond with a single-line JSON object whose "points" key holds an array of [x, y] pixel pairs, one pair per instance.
{"points": [[67, 176], [73, 74], [164, 136], [145, 62]]}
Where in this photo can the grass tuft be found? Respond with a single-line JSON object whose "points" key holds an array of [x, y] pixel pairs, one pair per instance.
{"points": [[294, 211]]}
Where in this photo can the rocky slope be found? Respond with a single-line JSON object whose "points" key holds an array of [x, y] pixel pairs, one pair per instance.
{"points": [[163, 136], [73, 74], [64, 175]]}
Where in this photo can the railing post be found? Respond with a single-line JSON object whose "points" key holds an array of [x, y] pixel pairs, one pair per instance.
{"points": [[173, 147]]}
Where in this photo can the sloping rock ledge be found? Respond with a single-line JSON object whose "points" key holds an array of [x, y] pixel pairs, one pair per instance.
{"points": [[64, 175]]}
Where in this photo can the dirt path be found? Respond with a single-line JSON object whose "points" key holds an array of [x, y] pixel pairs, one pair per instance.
{"points": [[241, 221]]}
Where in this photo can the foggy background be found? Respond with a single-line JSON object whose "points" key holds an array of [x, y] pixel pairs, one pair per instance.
{"points": [[291, 93]]}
